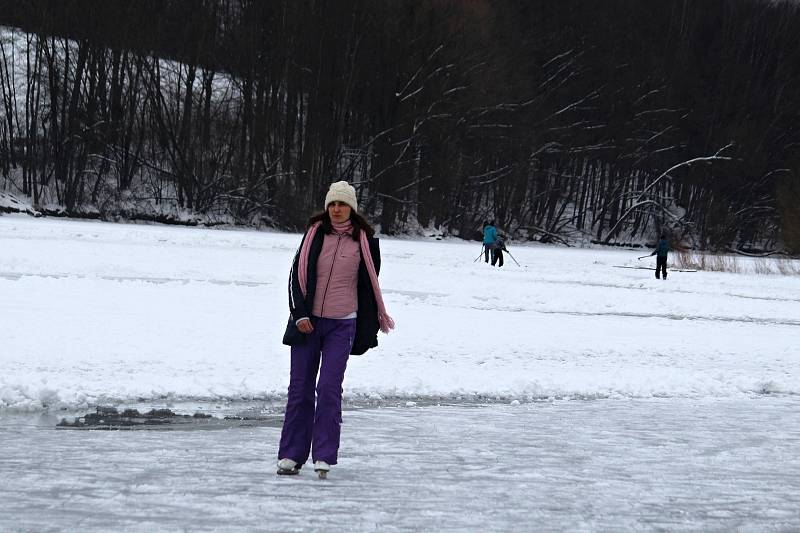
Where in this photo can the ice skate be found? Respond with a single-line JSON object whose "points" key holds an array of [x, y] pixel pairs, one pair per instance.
{"points": [[288, 467], [322, 468]]}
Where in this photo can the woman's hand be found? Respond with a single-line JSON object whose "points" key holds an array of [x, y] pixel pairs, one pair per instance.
{"points": [[304, 325]]}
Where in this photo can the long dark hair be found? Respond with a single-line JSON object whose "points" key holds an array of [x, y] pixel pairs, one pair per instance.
{"points": [[359, 223]]}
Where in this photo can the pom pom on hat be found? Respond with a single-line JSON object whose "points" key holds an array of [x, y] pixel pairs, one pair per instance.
{"points": [[341, 191]]}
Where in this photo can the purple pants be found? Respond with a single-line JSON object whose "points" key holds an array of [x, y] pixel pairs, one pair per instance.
{"points": [[303, 425]]}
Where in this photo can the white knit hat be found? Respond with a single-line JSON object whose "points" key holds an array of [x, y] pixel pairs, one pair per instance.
{"points": [[341, 191]]}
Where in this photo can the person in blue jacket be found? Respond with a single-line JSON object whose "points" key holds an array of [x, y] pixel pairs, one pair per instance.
{"points": [[661, 252], [489, 237]]}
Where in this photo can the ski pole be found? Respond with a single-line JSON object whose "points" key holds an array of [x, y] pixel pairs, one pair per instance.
{"points": [[512, 257], [479, 255], [644, 256]]}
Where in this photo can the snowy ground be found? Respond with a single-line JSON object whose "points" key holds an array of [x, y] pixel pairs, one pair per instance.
{"points": [[97, 313], [638, 403]]}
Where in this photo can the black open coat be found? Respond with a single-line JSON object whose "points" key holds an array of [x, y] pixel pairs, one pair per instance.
{"points": [[367, 320]]}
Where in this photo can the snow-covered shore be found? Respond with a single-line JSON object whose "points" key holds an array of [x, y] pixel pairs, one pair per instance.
{"points": [[92, 312]]}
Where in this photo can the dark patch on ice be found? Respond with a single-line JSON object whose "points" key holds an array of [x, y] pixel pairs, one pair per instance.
{"points": [[110, 418]]}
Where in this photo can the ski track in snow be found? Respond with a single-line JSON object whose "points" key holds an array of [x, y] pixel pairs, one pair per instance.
{"points": [[668, 316], [17, 276]]}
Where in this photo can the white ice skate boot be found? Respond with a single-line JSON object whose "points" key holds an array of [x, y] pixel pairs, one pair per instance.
{"points": [[322, 468], [287, 467]]}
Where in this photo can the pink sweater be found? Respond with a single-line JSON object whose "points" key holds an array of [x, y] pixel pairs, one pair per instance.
{"points": [[337, 277]]}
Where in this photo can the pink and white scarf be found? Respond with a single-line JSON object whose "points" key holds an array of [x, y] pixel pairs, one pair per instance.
{"points": [[385, 322]]}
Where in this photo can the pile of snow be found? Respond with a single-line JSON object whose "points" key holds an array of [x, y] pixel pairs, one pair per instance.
{"points": [[94, 312], [11, 204]]}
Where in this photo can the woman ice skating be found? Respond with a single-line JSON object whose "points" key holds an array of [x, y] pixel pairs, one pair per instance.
{"points": [[336, 310]]}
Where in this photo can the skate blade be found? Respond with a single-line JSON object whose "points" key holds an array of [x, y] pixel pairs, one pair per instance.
{"points": [[323, 474], [288, 471]]}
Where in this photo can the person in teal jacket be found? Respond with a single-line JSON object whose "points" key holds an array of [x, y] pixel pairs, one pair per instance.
{"points": [[489, 238], [661, 252]]}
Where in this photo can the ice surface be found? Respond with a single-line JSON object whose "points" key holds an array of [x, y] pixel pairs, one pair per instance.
{"points": [[602, 465]]}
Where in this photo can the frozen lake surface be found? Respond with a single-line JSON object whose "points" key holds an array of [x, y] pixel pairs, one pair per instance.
{"points": [[600, 465], [616, 401]]}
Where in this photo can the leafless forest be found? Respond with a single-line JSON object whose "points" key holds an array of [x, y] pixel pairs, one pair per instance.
{"points": [[564, 121]]}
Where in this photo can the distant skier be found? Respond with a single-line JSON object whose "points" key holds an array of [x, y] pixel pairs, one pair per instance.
{"points": [[489, 236], [498, 248], [336, 310], [661, 251]]}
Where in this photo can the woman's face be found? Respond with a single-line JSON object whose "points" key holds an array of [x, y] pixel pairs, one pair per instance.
{"points": [[339, 212]]}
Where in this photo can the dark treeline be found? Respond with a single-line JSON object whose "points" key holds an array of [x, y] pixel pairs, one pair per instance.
{"points": [[563, 121]]}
